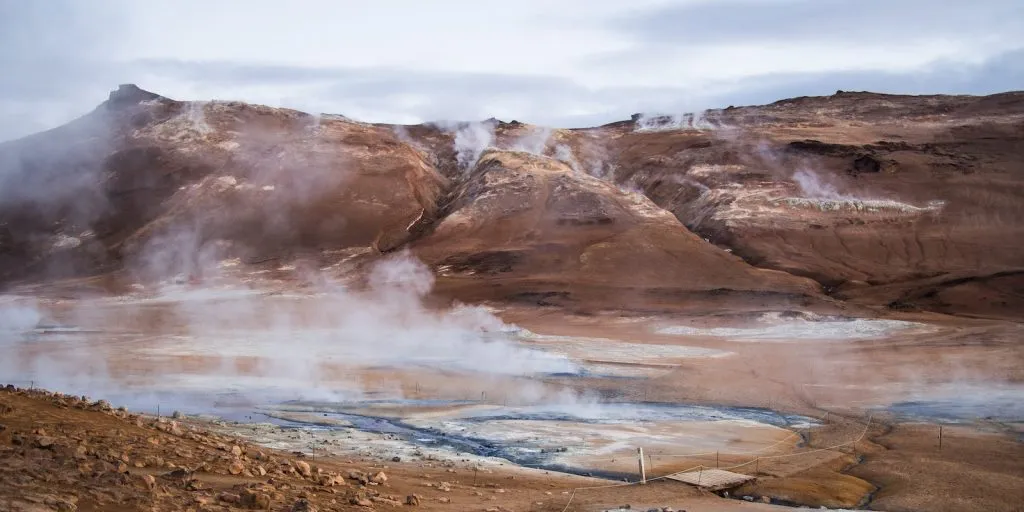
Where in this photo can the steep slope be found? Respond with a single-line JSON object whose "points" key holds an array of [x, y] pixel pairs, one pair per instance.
{"points": [[899, 202], [176, 187], [530, 227], [882, 199]]}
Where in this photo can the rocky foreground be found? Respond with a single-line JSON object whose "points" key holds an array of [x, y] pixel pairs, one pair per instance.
{"points": [[66, 453], [71, 453]]}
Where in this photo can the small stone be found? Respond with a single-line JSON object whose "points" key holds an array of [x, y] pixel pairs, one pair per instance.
{"points": [[444, 499], [148, 481], [380, 478], [236, 467], [236, 451], [396, 459], [303, 505], [303, 468], [44, 442], [412, 500], [227, 497], [254, 500], [261, 470], [361, 501]]}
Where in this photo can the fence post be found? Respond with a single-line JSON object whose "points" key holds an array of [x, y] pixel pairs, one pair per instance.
{"points": [[716, 459], [757, 465], [940, 437], [700, 473], [643, 471]]}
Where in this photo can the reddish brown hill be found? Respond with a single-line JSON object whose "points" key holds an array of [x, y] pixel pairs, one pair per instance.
{"points": [[889, 201], [882, 199]]}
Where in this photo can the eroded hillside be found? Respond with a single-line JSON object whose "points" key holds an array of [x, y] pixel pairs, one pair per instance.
{"points": [[843, 202]]}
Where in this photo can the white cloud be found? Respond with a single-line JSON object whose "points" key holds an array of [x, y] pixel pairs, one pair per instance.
{"points": [[566, 63]]}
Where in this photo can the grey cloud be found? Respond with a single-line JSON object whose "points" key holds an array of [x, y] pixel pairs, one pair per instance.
{"points": [[447, 95], [736, 21], [53, 60], [1004, 72]]}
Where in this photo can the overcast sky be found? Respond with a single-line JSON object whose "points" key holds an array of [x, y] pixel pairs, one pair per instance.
{"points": [[555, 62]]}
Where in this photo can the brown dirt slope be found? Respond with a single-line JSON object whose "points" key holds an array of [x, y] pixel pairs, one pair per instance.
{"points": [[899, 202], [172, 184], [529, 225], [906, 201]]}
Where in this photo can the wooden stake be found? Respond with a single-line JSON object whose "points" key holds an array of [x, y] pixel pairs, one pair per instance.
{"points": [[700, 474], [757, 465], [940, 437], [716, 459], [643, 471]]}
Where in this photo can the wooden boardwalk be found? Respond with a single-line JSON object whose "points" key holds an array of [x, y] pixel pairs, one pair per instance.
{"points": [[712, 479]]}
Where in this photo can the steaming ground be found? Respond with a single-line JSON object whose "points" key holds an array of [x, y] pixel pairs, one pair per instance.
{"points": [[377, 373]]}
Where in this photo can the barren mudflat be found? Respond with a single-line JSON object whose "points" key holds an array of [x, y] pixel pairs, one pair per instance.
{"points": [[583, 394]]}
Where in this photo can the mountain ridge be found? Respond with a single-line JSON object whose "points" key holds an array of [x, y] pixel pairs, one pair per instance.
{"points": [[853, 200]]}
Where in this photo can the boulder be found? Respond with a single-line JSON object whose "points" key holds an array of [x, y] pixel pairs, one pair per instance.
{"points": [[303, 468]]}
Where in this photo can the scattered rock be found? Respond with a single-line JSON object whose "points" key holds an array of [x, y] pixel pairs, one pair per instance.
{"points": [[444, 499], [61, 505], [412, 500], [236, 451], [360, 500], [380, 478], [236, 467], [386, 501], [253, 500], [227, 497], [148, 481], [303, 468], [358, 476], [444, 487], [303, 505], [44, 442], [177, 474], [396, 459]]}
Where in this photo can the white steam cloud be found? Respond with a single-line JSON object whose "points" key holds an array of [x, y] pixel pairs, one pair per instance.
{"points": [[471, 140], [261, 347], [534, 141], [812, 186]]}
